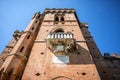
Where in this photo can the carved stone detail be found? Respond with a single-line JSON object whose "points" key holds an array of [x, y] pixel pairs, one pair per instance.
{"points": [[60, 43]]}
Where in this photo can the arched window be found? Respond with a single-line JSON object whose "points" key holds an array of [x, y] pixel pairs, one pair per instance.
{"points": [[62, 19], [59, 30], [59, 18], [56, 18]]}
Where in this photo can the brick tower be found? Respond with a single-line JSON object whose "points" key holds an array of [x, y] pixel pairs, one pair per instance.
{"points": [[60, 51], [54, 46]]}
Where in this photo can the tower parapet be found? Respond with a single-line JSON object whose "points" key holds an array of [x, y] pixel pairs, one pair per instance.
{"points": [[113, 56], [113, 65]]}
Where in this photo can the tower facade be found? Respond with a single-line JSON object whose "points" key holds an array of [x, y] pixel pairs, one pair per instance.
{"points": [[54, 46]]}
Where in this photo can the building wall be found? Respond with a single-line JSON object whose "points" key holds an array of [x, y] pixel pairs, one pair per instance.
{"points": [[31, 57], [107, 66]]}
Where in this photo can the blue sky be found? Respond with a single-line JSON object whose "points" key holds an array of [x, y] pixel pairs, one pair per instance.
{"points": [[103, 17]]}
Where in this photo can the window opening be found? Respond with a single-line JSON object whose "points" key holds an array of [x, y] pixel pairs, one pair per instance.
{"points": [[62, 19], [37, 74], [28, 36], [84, 73], [32, 28], [78, 53], [42, 53], [56, 18], [21, 49], [59, 30], [104, 72], [36, 21]]}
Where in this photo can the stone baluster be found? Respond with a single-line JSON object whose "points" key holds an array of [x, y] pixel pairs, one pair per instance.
{"points": [[71, 36], [58, 35], [67, 36], [62, 35], [52, 36], [55, 36], [48, 36]]}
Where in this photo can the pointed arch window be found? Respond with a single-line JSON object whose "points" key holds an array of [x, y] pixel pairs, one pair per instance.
{"points": [[59, 31], [62, 18], [56, 18], [59, 18]]}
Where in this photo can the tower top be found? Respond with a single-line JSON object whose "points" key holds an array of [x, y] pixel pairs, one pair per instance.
{"points": [[70, 10]]}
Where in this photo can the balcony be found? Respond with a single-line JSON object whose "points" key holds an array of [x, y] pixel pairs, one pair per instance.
{"points": [[60, 43]]}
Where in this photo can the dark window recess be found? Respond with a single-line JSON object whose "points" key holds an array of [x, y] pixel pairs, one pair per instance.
{"points": [[3, 59], [39, 16], [83, 73], [104, 72], [42, 53], [62, 19], [37, 74], [1, 70], [28, 36], [21, 49], [36, 21], [62, 22], [59, 30], [56, 18], [78, 53], [32, 28]]}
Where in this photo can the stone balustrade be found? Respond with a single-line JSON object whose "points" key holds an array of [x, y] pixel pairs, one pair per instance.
{"points": [[60, 35]]}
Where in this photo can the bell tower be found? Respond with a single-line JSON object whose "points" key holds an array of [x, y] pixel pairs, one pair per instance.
{"points": [[60, 51]]}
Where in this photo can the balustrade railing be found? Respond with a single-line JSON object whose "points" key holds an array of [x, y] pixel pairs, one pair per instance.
{"points": [[60, 35]]}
